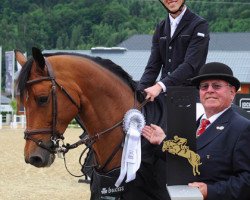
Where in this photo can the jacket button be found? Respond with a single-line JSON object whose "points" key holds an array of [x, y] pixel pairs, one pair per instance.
{"points": [[170, 47], [169, 60]]}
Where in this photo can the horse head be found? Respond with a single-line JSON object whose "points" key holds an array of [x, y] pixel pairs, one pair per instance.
{"points": [[46, 119]]}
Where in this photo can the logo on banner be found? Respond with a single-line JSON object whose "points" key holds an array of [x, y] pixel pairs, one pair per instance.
{"points": [[112, 190], [178, 147], [245, 104], [9, 77]]}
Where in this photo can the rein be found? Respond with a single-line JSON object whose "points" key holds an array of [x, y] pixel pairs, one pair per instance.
{"points": [[88, 141], [56, 136]]}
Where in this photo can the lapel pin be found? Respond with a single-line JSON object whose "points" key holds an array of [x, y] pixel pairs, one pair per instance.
{"points": [[220, 128]]}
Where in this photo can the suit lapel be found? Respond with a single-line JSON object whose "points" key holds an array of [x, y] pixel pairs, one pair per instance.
{"points": [[214, 130], [167, 28], [166, 33], [184, 21]]}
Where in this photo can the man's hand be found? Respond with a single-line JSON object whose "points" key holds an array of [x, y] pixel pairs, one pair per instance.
{"points": [[153, 91], [201, 186], [154, 134]]}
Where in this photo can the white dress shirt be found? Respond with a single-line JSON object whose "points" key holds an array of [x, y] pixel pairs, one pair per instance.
{"points": [[214, 117], [174, 22]]}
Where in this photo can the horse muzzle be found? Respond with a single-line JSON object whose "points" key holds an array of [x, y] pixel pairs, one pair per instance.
{"points": [[40, 158]]}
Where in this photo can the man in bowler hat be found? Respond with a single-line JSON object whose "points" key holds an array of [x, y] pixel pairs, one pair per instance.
{"points": [[224, 144]]}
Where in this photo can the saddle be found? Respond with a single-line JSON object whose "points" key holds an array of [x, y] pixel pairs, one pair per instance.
{"points": [[156, 112]]}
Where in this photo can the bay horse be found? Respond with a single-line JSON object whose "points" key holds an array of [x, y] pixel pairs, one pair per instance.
{"points": [[54, 88]]}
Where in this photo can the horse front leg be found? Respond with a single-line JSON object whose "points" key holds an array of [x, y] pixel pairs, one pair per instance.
{"points": [[194, 170]]}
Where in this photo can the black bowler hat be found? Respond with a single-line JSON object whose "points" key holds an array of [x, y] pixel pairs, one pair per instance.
{"points": [[216, 70]]}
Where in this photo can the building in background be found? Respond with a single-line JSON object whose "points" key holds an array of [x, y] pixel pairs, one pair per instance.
{"points": [[5, 106], [232, 49]]}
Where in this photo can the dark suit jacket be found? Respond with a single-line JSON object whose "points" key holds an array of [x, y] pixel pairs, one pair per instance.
{"points": [[179, 57], [224, 149]]}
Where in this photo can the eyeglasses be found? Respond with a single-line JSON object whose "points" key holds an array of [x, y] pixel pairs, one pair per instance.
{"points": [[215, 86]]}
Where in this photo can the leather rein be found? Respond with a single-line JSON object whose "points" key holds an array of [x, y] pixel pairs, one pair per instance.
{"points": [[56, 137]]}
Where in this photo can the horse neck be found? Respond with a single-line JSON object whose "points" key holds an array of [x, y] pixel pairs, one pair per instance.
{"points": [[104, 100], [106, 107], [100, 91]]}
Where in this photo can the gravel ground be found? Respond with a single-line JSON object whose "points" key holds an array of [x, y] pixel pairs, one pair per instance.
{"points": [[21, 181]]}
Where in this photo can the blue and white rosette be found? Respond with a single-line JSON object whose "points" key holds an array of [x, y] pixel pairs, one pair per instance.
{"points": [[133, 123]]}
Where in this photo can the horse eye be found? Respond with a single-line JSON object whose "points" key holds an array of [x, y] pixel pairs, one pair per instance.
{"points": [[42, 100]]}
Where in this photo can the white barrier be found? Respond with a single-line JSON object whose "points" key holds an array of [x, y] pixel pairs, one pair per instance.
{"points": [[5, 120], [13, 124], [18, 120]]}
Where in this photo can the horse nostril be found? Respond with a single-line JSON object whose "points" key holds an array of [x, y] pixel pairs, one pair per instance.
{"points": [[36, 161]]}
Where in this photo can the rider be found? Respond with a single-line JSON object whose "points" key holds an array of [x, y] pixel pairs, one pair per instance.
{"points": [[181, 142], [179, 49]]}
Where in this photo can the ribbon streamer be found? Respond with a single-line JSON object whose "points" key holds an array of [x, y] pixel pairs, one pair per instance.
{"points": [[133, 123]]}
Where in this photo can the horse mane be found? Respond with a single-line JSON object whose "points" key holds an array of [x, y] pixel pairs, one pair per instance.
{"points": [[106, 63]]}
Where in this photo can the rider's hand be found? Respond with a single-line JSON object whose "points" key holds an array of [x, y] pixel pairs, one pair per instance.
{"points": [[153, 91], [154, 134]]}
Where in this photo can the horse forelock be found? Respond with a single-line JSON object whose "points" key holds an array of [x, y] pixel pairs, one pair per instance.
{"points": [[24, 77]]}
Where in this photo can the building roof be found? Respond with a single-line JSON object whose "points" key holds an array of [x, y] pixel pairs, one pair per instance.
{"points": [[218, 41], [230, 41], [132, 61], [137, 42], [239, 61], [5, 100], [232, 49]]}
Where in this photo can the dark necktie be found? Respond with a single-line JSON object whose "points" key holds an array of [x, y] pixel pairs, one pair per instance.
{"points": [[202, 127]]}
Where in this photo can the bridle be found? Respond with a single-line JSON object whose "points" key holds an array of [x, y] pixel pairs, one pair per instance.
{"points": [[56, 136]]}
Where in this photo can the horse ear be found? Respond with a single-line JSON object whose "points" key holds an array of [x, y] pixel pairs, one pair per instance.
{"points": [[21, 59], [38, 57]]}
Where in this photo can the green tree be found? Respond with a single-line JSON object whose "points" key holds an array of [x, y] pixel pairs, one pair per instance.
{"points": [[82, 24], [13, 104]]}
